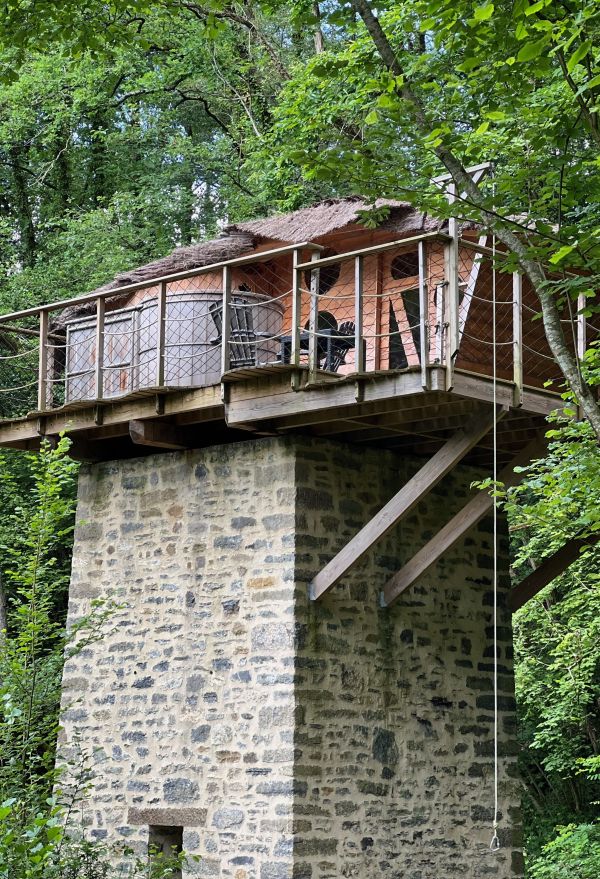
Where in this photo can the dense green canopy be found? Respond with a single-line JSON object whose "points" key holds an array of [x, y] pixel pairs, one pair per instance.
{"points": [[128, 127]]}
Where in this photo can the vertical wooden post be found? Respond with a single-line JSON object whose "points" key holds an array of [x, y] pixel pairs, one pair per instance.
{"points": [[378, 359], [359, 354], [313, 319], [296, 308], [517, 338], [423, 317], [43, 385], [451, 261], [161, 320], [99, 365], [581, 326], [446, 332], [226, 321]]}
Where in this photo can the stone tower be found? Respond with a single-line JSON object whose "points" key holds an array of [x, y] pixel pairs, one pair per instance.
{"points": [[275, 737]]}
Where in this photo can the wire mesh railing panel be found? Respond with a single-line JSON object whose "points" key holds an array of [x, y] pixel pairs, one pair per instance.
{"points": [[259, 307], [383, 311], [485, 302], [540, 368], [19, 358]]}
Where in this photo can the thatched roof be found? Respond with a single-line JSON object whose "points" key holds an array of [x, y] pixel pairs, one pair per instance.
{"points": [[331, 215], [228, 246], [306, 224]]}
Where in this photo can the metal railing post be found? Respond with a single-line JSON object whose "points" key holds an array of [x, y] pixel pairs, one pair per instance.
{"points": [[296, 308], [451, 265], [358, 315], [43, 384], [99, 364], [226, 321], [313, 318], [161, 319], [423, 317], [517, 338]]}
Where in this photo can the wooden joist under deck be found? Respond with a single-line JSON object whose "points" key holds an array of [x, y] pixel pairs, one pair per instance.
{"points": [[547, 571], [387, 408]]}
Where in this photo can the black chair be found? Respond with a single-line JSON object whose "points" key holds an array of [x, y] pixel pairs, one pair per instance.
{"points": [[242, 335], [333, 342], [343, 342]]}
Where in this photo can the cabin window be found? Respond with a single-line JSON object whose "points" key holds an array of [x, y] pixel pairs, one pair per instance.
{"points": [[405, 265], [397, 353], [328, 276], [410, 300], [165, 842]]}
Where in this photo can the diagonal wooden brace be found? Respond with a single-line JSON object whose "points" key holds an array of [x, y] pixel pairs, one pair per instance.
{"points": [[406, 499], [547, 571], [458, 526]]}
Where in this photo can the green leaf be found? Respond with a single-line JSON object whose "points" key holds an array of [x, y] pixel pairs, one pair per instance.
{"points": [[560, 254], [532, 50], [496, 115], [578, 55], [483, 13], [535, 7], [385, 101], [372, 117]]}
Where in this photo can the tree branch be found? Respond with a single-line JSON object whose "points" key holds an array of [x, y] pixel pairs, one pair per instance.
{"points": [[531, 267]]}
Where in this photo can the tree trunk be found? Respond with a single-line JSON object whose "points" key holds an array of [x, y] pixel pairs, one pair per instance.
{"points": [[564, 357], [22, 206], [97, 172], [318, 35]]}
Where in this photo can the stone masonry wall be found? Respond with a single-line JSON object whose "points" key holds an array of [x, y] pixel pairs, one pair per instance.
{"points": [[394, 745], [188, 702], [292, 740]]}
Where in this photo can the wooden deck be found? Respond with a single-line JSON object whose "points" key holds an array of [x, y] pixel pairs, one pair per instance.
{"points": [[387, 409]]}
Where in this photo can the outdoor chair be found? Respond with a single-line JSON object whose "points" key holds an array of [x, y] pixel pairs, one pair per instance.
{"points": [[333, 342], [242, 335]]}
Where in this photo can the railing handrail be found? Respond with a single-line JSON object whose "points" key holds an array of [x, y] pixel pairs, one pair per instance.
{"points": [[247, 259], [376, 248]]}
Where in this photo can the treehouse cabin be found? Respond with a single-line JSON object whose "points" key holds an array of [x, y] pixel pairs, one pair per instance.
{"points": [[301, 321], [309, 668]]}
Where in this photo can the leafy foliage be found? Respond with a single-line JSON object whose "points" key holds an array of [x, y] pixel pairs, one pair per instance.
{"points": [[128, 127], [573, 854]]}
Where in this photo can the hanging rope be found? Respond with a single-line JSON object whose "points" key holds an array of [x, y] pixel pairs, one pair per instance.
{"points": [[495, 841]]}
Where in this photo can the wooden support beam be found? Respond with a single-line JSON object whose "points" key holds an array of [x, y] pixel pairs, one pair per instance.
{"points": [[313, 315], [423, 316], [467, 299], [161, 324], [458, 526], [158, 434], [86, 452], [44, 398], [404, 500], [547, 571], [226, 321], [99, 349]]}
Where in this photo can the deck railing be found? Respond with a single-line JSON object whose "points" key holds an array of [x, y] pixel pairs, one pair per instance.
{"points": [[424, 302]]}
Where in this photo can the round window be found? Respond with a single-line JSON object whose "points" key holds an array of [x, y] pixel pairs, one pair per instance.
{"points": [[405, 265]]}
